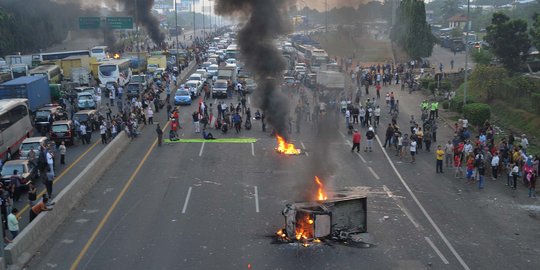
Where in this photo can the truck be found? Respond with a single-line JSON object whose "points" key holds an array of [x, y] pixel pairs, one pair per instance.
{"points": [[80, 75], [331, 80], [227, 73], [34, 88], [155, 62], [69, 63]]}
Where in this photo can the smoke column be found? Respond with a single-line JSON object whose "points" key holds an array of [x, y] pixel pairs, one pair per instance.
{"points": [[263, 22], [142, 10]]}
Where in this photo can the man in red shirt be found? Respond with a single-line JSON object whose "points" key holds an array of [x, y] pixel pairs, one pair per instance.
{"points": [[356, 141], [38, 208]]}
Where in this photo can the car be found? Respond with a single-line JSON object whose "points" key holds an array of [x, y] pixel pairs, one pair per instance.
{"points": [[182, 97], [213, 61], [195, 88], [231, 61], [91, 117], [41, 120], [203, 73], [212, 71], [32, 142], [25, 169], [289, 83], [139, 79], [219, 89], [196, 77], [205, 65], [63, 130], [85, 101], [134, 89], [85, 89], [250, 85]]}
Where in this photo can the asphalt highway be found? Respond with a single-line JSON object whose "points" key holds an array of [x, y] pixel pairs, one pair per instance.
{"points": [[217, 206]]}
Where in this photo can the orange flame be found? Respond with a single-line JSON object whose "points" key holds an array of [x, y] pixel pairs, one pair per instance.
{"points": [[116, 56], [285, 147], [321, 194]]}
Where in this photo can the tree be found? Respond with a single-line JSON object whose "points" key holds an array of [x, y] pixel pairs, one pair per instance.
{"points": [[450, 8], [411, 31], [535, 31], [509, 40], [481, 56]]}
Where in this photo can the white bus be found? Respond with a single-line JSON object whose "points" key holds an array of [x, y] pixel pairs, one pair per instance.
{"points": [[118, 71], [15, 125], [231, 52], [52, 72], [54, 56], [100, 53]]}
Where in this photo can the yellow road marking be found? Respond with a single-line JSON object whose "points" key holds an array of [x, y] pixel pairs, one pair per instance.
{"points": [[113, 206], [22, 211]]}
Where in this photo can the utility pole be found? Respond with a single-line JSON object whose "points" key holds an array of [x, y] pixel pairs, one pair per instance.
{"points": [[194, 30], [203, 23], [326, 16], [137, 34], [176, 27], [468, 25]]}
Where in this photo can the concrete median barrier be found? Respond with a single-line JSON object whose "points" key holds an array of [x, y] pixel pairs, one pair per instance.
{"points": [[18, 253]]}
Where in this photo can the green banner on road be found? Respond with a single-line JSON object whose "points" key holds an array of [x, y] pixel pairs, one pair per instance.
{"points": [[223, 140], [89, 22]]}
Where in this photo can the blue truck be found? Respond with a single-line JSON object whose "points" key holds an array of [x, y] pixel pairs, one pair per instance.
{"points": [[34, 88]]}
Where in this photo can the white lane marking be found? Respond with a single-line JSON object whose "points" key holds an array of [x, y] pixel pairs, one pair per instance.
{"points": [[445, 261], [403, 209], [215, 101], [252, 149], [374, 174], [433, 224], [342, 135], [256, 199], [186, 201], [304, 148], [358, 154], [202, 149]]}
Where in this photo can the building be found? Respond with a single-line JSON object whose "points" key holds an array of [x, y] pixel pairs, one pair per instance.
{"points": [[457, 21]]}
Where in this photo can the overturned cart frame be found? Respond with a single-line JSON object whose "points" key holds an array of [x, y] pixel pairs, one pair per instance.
{"points": [[337, 218]]}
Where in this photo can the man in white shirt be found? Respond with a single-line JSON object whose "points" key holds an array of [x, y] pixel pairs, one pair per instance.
{"points": [[13, 223], [494, 165], [524, 142], [50, 162], [103, 133]]}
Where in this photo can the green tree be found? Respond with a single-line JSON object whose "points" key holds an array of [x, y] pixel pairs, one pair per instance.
{"points": [[509, 40], [411, 31], [481, 56], [450, 8], [535, 31]]}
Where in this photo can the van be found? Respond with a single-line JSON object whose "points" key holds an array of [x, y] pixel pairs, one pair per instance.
{"points": [[32, 142], [41, 120]]}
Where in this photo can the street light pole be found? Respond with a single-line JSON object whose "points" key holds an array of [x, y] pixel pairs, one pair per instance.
{"points": [[468, 26], [176, 26], [326, 16], [203, 23], [194, 30]]}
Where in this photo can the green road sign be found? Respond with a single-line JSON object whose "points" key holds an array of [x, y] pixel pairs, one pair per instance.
{"points": [[89, 22], [120, 22]]}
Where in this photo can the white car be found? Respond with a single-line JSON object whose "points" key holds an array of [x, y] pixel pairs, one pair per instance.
{"points": [[231, 61], [203, 72], [212, 71], [195, 88], [196, 77]]}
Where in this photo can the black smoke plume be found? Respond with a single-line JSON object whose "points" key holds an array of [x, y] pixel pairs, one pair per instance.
{"points": [[264, 21], [141, 10]]}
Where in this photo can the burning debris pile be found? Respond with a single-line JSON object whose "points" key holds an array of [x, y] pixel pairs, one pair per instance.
{"points": [[286, 148], [339, 218]]}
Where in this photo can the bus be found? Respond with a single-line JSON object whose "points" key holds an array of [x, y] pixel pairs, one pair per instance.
{"points": [[54, 56], [52, 72], [100, 52], [317, 57], [231, 51], [15, 125], [116, 71]]}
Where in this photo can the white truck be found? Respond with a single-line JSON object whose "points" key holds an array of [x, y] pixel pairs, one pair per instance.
{"points": [[331, 80]]}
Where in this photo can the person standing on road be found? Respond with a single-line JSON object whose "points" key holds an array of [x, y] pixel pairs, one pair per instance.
{"points": [[448, 152], [13, 222], [412, 149], [196, 121], [388, 136], [83, 133], [457, 165], [494, 166], [440, 156], [356, 141], [150, 115], [15, 185], [103, 132], [50, 161], [370, 134], [32, 194], [159, 133], [531, 183], [427, 140], [481, 175], [515, 174], [62, 150], [38, 208]]}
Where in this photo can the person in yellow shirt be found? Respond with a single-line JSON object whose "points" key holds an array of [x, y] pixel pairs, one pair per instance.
{"points": [[440, 157]]}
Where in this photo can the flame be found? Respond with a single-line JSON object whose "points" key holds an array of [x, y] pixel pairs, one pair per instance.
{"points": [[116, 56], [285, 147], [321, 194]]}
